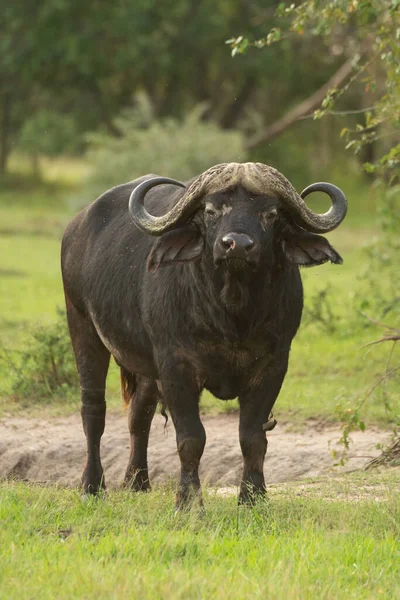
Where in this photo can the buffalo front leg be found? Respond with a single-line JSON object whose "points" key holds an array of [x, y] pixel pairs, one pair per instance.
{"points": [[93, 413], [255, 408], [142, 405], [181, 393], [92, 359]]}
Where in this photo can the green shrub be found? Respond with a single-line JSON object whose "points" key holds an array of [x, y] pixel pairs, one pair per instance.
{"points": [[378, 303], [380, 280], [45, 369], [169, 147]]}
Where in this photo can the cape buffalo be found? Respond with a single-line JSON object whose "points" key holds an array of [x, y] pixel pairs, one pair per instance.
{"points": [[199, 290]]}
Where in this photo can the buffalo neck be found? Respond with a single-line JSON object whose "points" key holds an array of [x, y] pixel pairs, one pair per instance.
{"points": [[234, 305]]}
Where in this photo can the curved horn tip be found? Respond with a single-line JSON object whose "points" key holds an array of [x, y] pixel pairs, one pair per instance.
{"points": [[147, 222], [328, 221], [323, 186]]}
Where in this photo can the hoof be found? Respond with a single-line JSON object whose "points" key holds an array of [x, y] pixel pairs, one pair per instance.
{"points": [[198, 509], [250, 496], [93, 481], [139, 482], [186, 499]]}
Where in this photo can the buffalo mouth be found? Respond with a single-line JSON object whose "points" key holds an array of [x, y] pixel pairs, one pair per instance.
{"points": [[237, 265]]}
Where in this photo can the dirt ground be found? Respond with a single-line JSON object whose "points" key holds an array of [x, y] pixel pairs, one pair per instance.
{"points": [[54, 450]]}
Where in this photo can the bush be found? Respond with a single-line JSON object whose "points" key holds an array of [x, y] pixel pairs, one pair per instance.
{"points": [[381, 278], [378, 303], [169, 147], [45, 369], [320, 311]]}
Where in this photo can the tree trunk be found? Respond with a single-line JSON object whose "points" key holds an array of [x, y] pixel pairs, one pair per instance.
{"points": [[36, 165], [235, 109], [104, 109], [301, 110]]}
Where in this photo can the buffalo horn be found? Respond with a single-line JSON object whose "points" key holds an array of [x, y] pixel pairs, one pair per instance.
{"points": [[257, 178], [157, 225], [330, 220]]}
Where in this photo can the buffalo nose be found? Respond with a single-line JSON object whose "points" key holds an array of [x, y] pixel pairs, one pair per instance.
{"points": [[236, 243]]}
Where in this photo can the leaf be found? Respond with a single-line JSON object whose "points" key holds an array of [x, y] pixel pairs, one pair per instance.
{"points": [[369, 167]]}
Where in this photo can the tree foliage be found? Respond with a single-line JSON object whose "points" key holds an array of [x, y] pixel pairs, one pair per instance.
{"points": [[87, 61], [369, 32], [181, 148]]}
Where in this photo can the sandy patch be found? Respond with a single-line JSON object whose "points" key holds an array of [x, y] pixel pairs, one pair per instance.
{"points": [[54, 450]]}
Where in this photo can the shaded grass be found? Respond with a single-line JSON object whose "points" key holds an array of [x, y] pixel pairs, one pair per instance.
{"points": [[309, 540]]}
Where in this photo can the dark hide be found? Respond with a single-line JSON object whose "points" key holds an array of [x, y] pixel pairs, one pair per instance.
{"points": [[217, 316]]}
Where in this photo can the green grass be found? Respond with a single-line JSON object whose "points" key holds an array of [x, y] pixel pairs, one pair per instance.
{"points": [[331, 538], [30, 286], [325, 368]]}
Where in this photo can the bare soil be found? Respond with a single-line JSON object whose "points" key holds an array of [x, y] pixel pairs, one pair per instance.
{"points": [[54, 450]]}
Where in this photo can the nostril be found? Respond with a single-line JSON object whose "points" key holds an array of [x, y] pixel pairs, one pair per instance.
{"points": [[228, 242], [236, 242]]}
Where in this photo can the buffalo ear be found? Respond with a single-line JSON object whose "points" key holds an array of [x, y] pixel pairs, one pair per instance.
{"points": [[308, 249], [179, 245]]}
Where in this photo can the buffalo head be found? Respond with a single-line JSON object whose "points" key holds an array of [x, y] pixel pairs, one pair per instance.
{"points": [[240, 216]]}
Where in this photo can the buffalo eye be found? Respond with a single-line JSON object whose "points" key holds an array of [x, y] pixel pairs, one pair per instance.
{"points": [[269, 217], [211, 211]]}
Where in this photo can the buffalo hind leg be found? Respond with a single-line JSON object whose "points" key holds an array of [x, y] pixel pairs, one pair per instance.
{"points": [[92, 360], [142, 395], [181, 393], [255, 408]]}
